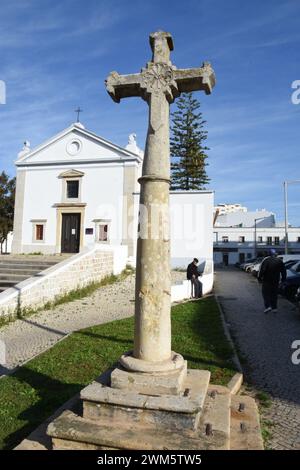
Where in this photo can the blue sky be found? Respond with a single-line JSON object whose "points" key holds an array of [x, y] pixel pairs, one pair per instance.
{"points": [[55, 55]]}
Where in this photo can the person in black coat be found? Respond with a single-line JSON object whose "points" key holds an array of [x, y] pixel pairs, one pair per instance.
{"points": [[192, 275], [271, 270]]}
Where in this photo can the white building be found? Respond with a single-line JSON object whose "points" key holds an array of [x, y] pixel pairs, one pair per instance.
{"points": [[260, 218], [78, 189], [228, 208], [237, 244]]}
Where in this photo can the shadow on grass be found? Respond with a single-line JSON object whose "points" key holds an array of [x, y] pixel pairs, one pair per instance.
{"points": [[49, 394], [114, 339]]}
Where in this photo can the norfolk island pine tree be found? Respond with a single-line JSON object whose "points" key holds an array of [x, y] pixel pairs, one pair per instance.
{"points": [[187, 146]]}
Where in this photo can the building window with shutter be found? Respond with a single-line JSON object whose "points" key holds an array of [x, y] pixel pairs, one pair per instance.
{"points": [[103, 233], [269, 240], [276, 240], [102, 230], [38, 230]]}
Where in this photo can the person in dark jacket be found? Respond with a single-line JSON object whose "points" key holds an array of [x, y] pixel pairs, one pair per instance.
{"points": [[271, 270], [192, 275]]}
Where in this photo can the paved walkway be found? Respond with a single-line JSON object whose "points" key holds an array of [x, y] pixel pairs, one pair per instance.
{"points": [[26, 338], [265, 342]]}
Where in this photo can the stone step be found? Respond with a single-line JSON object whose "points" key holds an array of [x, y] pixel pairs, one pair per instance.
{"points": [[14, 270], [245, 432], [16, 277], [27, 265], [30, 267], [56, 258], [20, 270], [6, 284], [70, 431], [214, 425], [179, 412]]}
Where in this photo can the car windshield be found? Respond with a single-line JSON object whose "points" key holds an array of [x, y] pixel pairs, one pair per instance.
{"points": [[295, 269]]}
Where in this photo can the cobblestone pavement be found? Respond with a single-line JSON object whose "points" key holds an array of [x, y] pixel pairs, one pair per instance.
{"points": [[264, 341], [28, 337]]}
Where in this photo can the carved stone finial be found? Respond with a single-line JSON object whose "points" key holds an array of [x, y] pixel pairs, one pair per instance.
{"points": [[26, 145], [25, 149]]}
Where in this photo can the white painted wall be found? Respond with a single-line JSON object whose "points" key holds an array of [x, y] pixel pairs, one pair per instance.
{"points": [[191, 215], [58, 150], [191, 220], [182, 290], [102, 191]]}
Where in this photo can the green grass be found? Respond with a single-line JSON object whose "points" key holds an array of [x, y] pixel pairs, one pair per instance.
{"points": [[37, 389], [264, 399], [82, 292]]}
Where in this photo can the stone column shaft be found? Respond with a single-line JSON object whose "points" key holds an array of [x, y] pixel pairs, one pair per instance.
{"points": [[153, 279]]}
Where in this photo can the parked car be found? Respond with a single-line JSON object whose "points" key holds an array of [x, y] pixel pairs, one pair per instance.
{"points": [[247, 263], [295, 268], [290, 286], [297, 298], [254, 267], [286, 258], [289, 264]]}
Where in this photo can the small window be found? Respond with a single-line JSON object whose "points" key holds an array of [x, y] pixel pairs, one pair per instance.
{"points": [[39, 232], [103, 233], [260, 239], [72, 189], [225, 239], [241, 239], [298, 240], [269, 240], [249, 255], [276, 240]]}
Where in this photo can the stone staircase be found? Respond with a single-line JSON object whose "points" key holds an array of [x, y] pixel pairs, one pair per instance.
{"points": [[17, 268]]}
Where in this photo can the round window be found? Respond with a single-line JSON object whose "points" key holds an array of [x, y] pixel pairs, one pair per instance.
{"points": [[74, 147]]}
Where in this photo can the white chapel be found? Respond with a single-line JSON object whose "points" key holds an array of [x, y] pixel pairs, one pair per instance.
{"points": [[77, 189]]}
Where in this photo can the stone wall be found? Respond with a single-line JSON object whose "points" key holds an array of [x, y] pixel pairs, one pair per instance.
{"points": [[89, 266]]}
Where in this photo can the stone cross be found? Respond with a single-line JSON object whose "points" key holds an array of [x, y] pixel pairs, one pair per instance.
{"points": [[78, 111], [159, 83]]}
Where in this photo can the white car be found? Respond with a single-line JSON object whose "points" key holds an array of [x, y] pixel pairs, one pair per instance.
{"points": [[255, 269]]}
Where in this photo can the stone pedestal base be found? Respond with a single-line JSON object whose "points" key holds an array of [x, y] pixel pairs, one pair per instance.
{"points": [[171, 383], [182, 411], [195, 416], [132, 364]]}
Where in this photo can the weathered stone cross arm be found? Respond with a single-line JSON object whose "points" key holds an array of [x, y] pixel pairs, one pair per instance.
{"points": [[123, 86], [200, 78], [176, 81]]}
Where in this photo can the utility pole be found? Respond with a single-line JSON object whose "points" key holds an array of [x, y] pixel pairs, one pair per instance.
{"points": [[286, 241], [286, 224], [255, 243]]}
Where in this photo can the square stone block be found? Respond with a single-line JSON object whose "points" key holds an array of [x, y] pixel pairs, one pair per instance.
{"points": [[170, 383]]}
